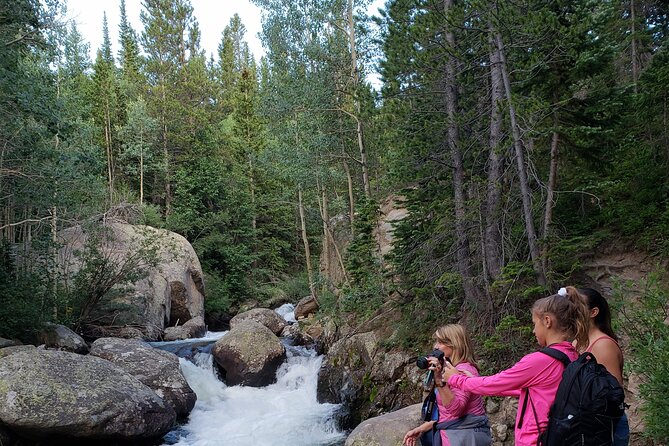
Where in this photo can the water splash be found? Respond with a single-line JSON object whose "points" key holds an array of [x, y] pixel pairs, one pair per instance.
{"points": [[283, 413]]}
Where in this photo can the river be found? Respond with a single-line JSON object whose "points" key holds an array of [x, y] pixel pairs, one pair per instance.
{"points": [[281, 414]]}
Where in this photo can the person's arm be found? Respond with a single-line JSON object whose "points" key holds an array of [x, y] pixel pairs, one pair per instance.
{"points": [[412, 436], [608, 354], [507, 382], [455, 400]]}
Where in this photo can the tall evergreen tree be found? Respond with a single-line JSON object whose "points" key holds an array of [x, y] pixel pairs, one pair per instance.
{"points": [[105, 97]]}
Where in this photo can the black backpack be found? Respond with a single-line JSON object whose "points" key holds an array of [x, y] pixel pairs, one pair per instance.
{"points": [[588, 404]]}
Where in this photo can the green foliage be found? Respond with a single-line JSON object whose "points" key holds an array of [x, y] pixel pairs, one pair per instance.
{"points": [[643, 321], [365, 292], [104, 270], [294, 287], [218, 298], [511, 339], [421, 316], [24, 300]]}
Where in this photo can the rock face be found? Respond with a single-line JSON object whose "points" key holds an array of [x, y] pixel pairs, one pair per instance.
{"points": [[14, 349], [170, 293], [359, 374], [62, 338], [305, 307], [249, 354], [8, 343], [265, 316], [392, 210], [502, 416], [157, 369], [194, 328], [51, 394], [387, 429]]}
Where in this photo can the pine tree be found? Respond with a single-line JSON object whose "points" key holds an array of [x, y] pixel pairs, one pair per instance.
{"points": [[166, 23], [130, 60], [105, 99]]}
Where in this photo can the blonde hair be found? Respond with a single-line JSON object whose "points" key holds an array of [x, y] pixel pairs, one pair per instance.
{"points": [[570, 313], [456, 337]]}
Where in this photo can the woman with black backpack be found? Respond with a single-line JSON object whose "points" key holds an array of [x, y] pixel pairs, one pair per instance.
{"points": [[535, 378]]}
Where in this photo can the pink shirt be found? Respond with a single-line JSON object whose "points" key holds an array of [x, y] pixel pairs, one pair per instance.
{"points": [[464, 402], [536, 371]]}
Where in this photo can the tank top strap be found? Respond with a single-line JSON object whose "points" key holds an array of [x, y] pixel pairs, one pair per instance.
{"points": [[590, 347]]}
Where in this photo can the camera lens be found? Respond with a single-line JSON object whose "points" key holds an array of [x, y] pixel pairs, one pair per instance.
{"points": [[422, 362]]}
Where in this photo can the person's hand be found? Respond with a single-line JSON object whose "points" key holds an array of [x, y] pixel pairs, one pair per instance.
{"points": [[449, 370], [436, 368], [411, 437]]}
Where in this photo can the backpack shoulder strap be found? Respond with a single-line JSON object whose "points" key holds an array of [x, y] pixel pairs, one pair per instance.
{"points": [[556, 354], [553, 353]]}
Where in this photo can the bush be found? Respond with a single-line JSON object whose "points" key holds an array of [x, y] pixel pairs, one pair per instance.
{"points": [[644, 323], [24, 304], [510, 341]]}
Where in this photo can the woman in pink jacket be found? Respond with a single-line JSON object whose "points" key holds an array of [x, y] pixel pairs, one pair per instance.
{"points": [[535, 378]]}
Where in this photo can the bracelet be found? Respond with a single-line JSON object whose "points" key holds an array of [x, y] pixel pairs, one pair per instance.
{"points": [[438, 385]]}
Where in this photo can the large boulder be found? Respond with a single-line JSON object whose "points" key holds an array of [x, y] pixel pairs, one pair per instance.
{"points": [[249, 354], [8, 342], [305, 307], [194, 328], [359, 373], [55, 394], [62, 338], [387, 429], [265, 316], [157, 369], [6, 351], [170, 293]]}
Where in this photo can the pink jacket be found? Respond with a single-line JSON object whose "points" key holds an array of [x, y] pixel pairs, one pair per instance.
{"points": [[463, 403], [538, 372]]}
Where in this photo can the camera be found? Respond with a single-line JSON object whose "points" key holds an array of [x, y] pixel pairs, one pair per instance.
{"points": [[423, 363]]}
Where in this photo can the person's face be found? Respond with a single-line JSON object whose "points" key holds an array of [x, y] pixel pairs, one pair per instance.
{"points": [[445, 348], [540, 328]]}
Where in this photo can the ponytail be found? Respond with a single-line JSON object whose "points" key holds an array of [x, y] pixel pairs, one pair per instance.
{"points": [[603, 318], [570, 312]]}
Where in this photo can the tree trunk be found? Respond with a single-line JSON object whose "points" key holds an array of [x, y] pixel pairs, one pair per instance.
{"points": [[472, 295], [166, 153], [635, 55], [492, 252], [110, 168], [54, 258], [141, 167], [326, 239], [305, 240], [349, 178], [520, 162], [355, 76], [550, 190], [254, 218]]}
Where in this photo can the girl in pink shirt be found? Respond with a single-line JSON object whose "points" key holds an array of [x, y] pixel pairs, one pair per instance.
{"points": [[462, 418], [535, 378]]}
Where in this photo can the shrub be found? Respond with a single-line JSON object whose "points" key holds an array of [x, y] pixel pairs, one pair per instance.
{"points": [[644, 323]]}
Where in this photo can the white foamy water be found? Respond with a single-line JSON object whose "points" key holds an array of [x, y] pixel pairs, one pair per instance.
{"points": [[287, 311], [284, 413]]}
